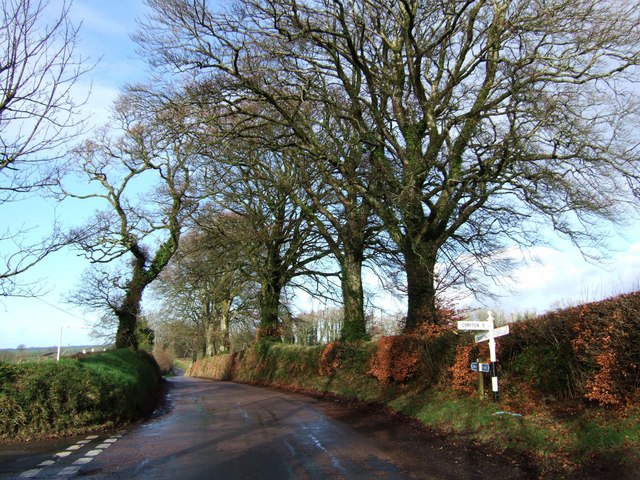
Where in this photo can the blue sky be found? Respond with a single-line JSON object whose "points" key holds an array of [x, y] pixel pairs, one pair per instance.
{"points": [[104, 37], [562, 277]]}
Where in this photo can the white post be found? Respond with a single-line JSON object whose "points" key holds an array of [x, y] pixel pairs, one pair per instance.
{"points": [[494, 359], [59, 343], [60, 337]]}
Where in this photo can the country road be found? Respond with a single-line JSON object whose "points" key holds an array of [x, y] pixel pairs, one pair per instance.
{"points": [[218, 430]]}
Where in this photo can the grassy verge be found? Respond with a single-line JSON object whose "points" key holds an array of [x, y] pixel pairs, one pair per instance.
{"points": [[558, 445], [567, 443], [48, 399]]}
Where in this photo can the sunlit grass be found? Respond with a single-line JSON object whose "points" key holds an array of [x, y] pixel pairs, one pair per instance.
{"points": [[51, 399]]}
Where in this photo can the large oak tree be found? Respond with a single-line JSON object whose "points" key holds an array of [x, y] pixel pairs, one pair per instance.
{"points": [[490, 121], [140, 171]]}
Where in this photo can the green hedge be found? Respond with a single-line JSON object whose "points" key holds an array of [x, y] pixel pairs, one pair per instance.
{"points": [[47, 399], [588, 355], [333, 369]]}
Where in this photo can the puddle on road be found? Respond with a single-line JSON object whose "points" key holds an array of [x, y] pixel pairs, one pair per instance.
{"points": [[166, 402]]}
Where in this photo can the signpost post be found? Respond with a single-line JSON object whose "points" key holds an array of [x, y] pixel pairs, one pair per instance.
{"points": [[494, 361], [487, 332], [62, 326]]}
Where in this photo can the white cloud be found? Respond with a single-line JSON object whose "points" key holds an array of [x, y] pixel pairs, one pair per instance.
{"points": [[563, 277]]}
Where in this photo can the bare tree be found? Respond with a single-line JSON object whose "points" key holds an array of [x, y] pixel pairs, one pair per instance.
{"points": [[206, 285], [489, 121], [38, 117], [331, 164], [20, 253], [259, 210], [178, 335], [38, 69], [334, 174], [141, 170], [327, 193], [316, 327]]}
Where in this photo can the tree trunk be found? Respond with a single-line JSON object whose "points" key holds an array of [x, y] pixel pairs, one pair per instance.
{"points": [[209, 328], [129, 310], [269, 307], [126, 333], [354, 327], [211, 339], [420, 263], [225, 344]]}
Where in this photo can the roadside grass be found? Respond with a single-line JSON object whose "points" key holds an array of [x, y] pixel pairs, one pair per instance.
{"points": [[606, 435], [48, 399], [487, 423], [566, 443]]}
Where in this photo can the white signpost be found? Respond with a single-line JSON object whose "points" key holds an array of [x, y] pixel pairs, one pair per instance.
{"points": [[497, 332], [488, 332], [474, 325]]}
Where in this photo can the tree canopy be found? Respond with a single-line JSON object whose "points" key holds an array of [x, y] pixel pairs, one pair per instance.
{"points": [[487, 122], [141, 170]]}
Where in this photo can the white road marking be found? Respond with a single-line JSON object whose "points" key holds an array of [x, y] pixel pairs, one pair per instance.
{"points": [[30, 473], [65, 472], [334, 461], [73, 449]]}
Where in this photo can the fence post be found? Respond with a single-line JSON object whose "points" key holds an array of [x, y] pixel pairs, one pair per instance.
{"points": [[480, 380]]}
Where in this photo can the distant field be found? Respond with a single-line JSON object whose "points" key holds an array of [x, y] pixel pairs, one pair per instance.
{"points": [[44, 353]]}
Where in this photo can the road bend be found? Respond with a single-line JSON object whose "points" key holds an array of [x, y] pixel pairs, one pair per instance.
{"points": [[228, 431]]}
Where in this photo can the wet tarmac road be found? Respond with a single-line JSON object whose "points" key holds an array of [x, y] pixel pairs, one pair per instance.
{"points": [[218, 430]]}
